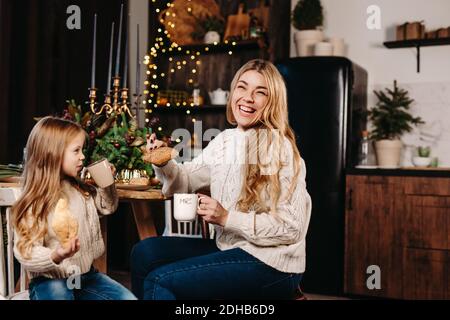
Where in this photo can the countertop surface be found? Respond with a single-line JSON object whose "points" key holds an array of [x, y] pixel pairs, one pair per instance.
{"points": [[409, 171]]}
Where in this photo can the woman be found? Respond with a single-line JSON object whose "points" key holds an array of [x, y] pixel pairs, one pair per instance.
{"points": [[259, 205]]}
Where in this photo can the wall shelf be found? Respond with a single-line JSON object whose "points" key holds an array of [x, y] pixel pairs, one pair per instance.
{"points": [[221, 47], [417, 43], [203, 108]]}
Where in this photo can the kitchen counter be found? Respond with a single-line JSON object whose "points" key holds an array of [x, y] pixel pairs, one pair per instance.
{"points": [[412, 172]]}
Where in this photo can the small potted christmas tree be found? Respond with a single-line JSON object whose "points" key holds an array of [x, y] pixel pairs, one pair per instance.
{"points": [[307, 17], [391, 119]]}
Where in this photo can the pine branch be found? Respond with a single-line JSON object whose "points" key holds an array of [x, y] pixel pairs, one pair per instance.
{"points": [[390, 117]]}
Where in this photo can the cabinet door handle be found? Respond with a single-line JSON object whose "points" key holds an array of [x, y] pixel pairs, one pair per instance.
{"points": [[350, 200]]}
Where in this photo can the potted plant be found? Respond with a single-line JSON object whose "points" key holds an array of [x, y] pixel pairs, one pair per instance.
{"points": [[306, 18], [391, 119], [423, 158], [209, 29]]}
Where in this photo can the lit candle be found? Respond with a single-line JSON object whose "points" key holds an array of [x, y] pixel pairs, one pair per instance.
{"points": [[118, 42], [125, 71], [94, 44], [108, 88]]}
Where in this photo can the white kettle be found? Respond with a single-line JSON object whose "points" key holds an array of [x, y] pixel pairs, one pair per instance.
{"points": [[218, 96]]}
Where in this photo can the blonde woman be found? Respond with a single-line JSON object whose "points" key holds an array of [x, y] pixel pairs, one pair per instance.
{"points": [[58, 258], [259, 205]]}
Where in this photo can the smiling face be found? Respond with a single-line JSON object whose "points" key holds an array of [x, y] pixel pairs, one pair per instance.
{"points": [[249, 98], [73, 156]]}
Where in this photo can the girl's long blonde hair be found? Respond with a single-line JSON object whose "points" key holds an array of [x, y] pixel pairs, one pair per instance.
{"points": [[273, 118], [42, 179]]}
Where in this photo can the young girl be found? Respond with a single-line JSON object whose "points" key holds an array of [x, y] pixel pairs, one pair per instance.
{"points": [[259, 205], [53, 254]]}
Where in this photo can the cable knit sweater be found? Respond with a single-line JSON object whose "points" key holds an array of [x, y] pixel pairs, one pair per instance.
{"points": [[86, 211], [277, 241]]}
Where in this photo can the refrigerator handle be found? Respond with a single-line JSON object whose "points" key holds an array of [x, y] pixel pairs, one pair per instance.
{"points": [[350, 199]]}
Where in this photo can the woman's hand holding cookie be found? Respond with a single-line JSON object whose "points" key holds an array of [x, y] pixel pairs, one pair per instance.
{"points": [[157, 152], [153, 143]]}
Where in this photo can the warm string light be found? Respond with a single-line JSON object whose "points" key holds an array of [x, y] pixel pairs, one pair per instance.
{"points": [[164, 46]]}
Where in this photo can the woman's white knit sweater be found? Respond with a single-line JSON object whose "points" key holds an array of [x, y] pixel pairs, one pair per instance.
{"points": [[86, 211], [277, 241]]}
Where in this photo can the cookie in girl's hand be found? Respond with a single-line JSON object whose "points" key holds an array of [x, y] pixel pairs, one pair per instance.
{"points": [[159, 156], [64, 224]]}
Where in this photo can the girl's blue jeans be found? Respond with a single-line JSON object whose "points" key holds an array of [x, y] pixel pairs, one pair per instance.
{"points": [[94, 285], [167, 268]]}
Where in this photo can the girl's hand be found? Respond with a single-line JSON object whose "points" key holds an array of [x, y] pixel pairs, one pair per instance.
{"points": [[211, 210], [113, 169], [61, 253], [153, 143]]}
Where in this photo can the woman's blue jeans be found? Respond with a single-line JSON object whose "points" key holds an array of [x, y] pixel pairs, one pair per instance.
{"points": [[94, 285], [167, 268]]}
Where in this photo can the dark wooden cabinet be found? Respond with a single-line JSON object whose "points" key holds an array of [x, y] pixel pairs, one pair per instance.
{"points": [[370, 233], [401, 225], [425, 274]]}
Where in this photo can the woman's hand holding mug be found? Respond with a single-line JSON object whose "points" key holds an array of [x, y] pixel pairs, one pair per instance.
{"points": [[211, 210]]}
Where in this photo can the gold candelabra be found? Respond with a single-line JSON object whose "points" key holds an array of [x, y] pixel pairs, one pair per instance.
{"points": [[116, 105]]}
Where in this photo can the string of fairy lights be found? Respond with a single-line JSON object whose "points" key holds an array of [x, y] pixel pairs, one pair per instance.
{"points": [[179, 58]]}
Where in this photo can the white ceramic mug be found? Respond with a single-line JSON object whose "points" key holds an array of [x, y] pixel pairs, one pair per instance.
{"points": [[101, 173], [185, 206]]}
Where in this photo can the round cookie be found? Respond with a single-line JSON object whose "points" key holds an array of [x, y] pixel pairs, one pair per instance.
{"points": [[159, 156]]}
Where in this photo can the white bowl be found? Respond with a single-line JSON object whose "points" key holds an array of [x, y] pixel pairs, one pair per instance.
{"points": [[421, 161]]}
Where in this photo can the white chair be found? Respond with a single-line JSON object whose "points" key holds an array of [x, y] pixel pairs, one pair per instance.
{"points": [[194, 229], [7, 284]]}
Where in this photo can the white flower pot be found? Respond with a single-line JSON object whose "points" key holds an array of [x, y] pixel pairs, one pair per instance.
{"points": [[211, 37], [339, 47], [323, 49], [388, 153], [305, 41]]}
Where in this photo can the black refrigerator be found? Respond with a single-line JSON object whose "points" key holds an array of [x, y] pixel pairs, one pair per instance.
{"points": [[326, 98]]}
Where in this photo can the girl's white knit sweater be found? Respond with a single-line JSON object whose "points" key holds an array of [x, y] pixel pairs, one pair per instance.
{"points": [[86, 211], [278, 241]]}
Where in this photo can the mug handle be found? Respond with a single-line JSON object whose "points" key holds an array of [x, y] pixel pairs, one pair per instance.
{"points": [[111, 167], [198, 202], [83, 173]]}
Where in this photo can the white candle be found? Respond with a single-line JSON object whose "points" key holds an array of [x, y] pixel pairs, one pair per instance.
{"points": [[118, 42], [108, 88], [138, 64], [94, 45], [138, 76], [125, 71]]}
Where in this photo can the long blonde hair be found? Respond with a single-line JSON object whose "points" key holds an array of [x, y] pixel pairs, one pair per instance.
{"points": [[272, 118], [42, 179]]}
